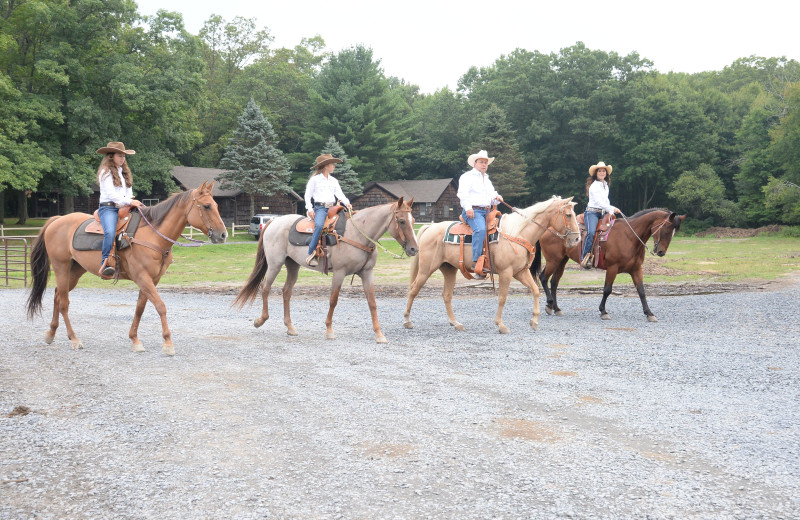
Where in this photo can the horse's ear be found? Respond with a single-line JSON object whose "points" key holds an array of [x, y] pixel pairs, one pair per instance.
{"points": [[400, 202], [200, 188], [570, 199], [210, 186], [411, 202]]}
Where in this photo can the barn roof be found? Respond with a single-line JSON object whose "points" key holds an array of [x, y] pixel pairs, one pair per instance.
{"points": [[190, 177], [421, 190]]}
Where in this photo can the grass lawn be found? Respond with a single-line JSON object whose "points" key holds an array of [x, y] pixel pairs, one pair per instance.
{"points": [[689, 259]]}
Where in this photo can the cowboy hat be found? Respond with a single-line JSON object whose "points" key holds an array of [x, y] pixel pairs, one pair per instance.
{"points": [[114, 147], [601, 164], [483, 154], [324, 159]]}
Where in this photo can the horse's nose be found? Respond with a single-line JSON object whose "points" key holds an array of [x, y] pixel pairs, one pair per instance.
{"points": [[412, 251], [661, 253]]}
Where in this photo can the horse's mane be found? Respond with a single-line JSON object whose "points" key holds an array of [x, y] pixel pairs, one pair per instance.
{"points": [[514, 222], [646, 211], [156, 214]]}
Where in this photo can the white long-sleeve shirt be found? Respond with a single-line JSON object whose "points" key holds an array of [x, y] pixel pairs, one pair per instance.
{"points": [[120, 195], [475, 189], [598, 197], [324, 190]]}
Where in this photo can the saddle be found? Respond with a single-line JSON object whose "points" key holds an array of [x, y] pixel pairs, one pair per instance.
{"points": [[89, 235], [95, 227], [306, 225], [463, 232], [600, 235]]}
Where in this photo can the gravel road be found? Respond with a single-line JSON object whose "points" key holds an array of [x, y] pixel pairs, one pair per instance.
{"points": [[696, 416]]}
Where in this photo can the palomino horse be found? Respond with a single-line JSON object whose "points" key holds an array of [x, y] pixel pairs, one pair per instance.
{"points": [[623, 252], [356, 254], [509, 255], [144, 262]]}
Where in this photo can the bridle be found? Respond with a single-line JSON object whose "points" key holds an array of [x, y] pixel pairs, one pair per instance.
{"points": [[561, 210], [396, 221], [203, 217], [652, 233]]}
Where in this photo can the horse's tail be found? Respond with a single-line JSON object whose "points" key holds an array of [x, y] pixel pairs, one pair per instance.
{"points": [[415, 258], [536, 266], [40, 271], [250, 290]]}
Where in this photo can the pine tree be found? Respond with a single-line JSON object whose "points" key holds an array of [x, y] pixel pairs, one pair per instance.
{"points": [[508, 169], [344, 173], [256, 164]]}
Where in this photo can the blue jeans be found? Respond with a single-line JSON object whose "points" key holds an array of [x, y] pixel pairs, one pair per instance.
{"points": [[590, 219], [478, 225], [109, 216], [320, 214]]}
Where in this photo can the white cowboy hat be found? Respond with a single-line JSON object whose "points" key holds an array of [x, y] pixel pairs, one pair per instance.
{"points": [[601, 164], [483, 154], [114, 147]]}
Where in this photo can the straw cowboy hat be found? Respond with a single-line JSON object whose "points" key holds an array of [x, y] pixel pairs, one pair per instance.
{"points": [[324, 159], [483, 154], [601, 164], [115, 147]]}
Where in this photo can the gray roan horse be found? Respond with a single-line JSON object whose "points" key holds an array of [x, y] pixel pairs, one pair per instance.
{"points": [[509, 257], [364, 228]]}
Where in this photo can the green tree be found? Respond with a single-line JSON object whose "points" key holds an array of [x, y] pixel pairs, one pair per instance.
{"points": [[353, 101], [701, 194], [256, 164], [344, 173], [508, 169]]}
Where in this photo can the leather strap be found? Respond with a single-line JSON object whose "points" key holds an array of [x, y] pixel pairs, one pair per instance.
{"points": [[164, 252], [524, 243]]}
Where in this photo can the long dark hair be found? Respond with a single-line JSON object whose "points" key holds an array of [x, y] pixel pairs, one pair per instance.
{"points": [[593, 177], [107, 166]]}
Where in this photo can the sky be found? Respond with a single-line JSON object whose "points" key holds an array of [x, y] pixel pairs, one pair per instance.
{"points": [[433, 43]]}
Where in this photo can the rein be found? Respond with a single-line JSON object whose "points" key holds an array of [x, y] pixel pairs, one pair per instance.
{"points": [[196, 243], [553, 231], [658, 230], [375, 242]]}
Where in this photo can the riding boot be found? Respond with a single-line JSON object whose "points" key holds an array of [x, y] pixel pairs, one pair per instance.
{"points": [[586, 263]]}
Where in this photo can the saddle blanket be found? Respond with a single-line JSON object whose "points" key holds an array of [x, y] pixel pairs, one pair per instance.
{"points": [[450, 238], [83, 241], [296, 238]]}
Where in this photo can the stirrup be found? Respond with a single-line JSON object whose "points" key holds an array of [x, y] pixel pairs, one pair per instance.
{"points": [[586, 263], [311, 261]]}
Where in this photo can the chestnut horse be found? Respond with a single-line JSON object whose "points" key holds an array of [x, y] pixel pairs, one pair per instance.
{"points": [[623, 252], [355, 254], [144, 262], [509, 258]]}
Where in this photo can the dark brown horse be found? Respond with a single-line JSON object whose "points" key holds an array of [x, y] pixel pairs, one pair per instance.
{"points": [[624, 252], [144, 262]]}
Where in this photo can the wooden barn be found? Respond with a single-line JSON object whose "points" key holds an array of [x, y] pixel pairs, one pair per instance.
{"points": [[234, 205], [435, 200]]}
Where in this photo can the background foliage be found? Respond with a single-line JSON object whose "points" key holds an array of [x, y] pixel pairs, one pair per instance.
{"points": [[722, 146]]}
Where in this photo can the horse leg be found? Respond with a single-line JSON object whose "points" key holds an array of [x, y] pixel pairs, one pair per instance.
{"points": [[554, 281], [133, 334], [292, 270], [273, 268], [66, 280], [611, 274], [543, 277], [527, 280], [502, 294], [416, 286], [148, 287], [638, 281], [336, 286], [450, 274], [367, 280]]}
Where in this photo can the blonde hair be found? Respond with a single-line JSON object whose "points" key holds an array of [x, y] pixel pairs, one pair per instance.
{"points": [[107, 166]]}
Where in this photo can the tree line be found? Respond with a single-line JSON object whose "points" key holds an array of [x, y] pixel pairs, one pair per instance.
{"points": [[723, 146]]}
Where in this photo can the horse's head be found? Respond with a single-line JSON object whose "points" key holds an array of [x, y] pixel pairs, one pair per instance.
{"points": [[663, 232], [565, 223], [402, 229], [204, 214]]}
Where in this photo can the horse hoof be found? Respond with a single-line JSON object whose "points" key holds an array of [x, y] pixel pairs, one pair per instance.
{"points": [[137, 347], [48, 338], [534, 325], [559, 313], [459, 327], [258, 322], [292, 331], [548, 310], [381, 339], [330, 335], [168, 349], [503, 329], [605, 316], [408, 325], [652, 319], [77, 344]]}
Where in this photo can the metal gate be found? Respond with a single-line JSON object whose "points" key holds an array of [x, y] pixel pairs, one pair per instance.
{"points": [[14, 259]]}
